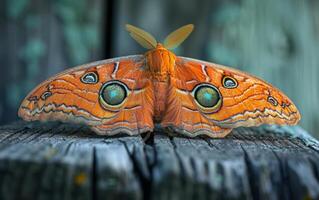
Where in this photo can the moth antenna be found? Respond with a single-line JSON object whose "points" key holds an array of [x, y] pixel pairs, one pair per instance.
{"points": [[177, 37], [142, 37]]}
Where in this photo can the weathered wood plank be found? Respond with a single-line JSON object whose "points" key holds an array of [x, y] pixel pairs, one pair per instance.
{"points": [[115, 176], [62, 161]]}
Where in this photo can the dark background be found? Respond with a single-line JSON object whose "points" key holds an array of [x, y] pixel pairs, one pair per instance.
{"points": [[275, 40]]}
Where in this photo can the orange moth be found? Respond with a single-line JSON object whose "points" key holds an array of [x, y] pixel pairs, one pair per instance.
{"points": [[132, 94]]}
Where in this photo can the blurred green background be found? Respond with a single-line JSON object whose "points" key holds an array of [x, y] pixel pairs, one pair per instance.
{"points": [[275, 40]]}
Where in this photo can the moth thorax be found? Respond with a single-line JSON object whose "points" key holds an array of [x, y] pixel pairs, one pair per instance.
{"points": [[160, 62], [161, 88]]}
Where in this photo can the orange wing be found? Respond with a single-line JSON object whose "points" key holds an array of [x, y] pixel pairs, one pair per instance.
{"points": [[110, 96], [211, 99]]}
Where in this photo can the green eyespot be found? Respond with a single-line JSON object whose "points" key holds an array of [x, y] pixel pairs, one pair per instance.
{"points": [[207, 96], [113, 93]]}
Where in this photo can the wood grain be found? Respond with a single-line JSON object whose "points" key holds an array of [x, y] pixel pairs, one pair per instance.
{"points": [[61, 161]]}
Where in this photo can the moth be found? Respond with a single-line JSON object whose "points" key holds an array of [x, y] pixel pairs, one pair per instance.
{"points": [[135, 94]]}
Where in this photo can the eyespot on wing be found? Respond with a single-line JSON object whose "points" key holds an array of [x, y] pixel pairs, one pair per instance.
{"points": [[246, 99]]}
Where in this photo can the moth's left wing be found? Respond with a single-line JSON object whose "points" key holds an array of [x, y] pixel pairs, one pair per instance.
{"points": [[211, 99], [111, 96]]}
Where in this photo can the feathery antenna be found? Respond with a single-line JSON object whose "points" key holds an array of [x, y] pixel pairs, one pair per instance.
{"points": [[177, 37], [146, 40], [142, 37]]}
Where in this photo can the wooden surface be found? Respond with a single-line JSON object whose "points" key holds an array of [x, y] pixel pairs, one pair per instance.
{"points": [[60, 161]]}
